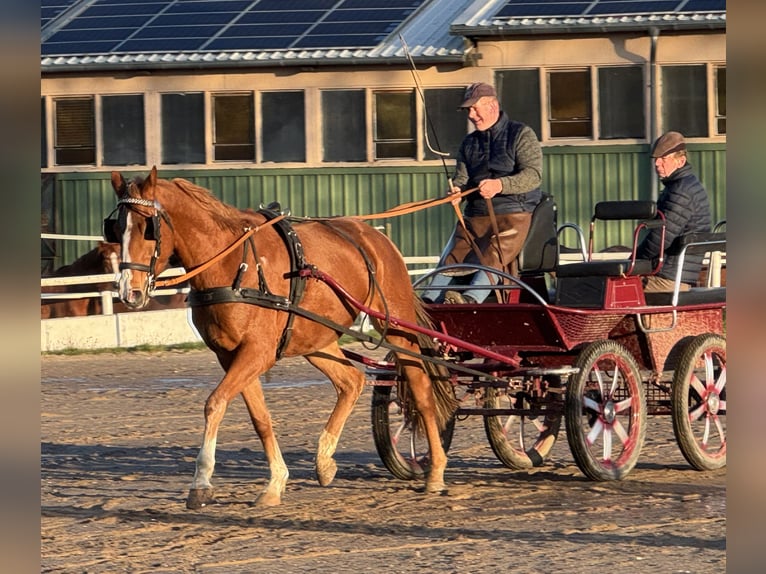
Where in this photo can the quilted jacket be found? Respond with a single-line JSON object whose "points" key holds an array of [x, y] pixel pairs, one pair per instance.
{"points": [[684, 202]]}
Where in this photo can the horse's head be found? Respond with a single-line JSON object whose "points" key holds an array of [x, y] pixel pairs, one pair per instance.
{"points": [[110, 257], [144, 233]]}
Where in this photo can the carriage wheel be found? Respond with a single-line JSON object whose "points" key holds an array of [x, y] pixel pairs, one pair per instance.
{"points": [[699, 402], [606, 411], [519, 441], [401, 445]]}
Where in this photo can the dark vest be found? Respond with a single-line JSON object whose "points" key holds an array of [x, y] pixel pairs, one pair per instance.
{"points": [[491, 154]]}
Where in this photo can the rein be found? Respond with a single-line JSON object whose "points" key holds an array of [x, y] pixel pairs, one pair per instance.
{"points": [[395, 211], [213, 260]]}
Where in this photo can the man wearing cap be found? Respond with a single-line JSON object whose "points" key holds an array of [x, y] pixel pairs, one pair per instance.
{"points": [[684, 203], [502, 159]]}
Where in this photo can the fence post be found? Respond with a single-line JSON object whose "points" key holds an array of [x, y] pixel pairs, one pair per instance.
{"points": [[107, 308]]}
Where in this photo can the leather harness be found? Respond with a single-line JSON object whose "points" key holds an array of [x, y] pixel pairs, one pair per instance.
{"points": [[262, 296]]}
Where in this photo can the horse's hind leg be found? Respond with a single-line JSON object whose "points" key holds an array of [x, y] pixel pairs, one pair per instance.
{"points": [[348, 382], [423, 396], [259, 414]]}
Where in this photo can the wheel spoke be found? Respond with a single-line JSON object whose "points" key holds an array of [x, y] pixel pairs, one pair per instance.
{"points": [[590, 404], [615, 380], [398, 433], [697, 413], [607, 443], [719, 428], [595, 431], [623, 405], [721, 382], [709, 367], [620, 431], [510, 424], [706, 433], [599, 379], [697, 385]]}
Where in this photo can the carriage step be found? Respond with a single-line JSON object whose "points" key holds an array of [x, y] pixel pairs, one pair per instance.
{"points": [[560, 371]]}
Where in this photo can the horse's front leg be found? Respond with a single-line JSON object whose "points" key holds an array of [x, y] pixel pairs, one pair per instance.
{"points": [[240, 375], [259, 414], [348, 382]]}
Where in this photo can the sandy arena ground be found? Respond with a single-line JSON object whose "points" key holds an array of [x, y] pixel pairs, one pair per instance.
{"points": [[120, 433]]}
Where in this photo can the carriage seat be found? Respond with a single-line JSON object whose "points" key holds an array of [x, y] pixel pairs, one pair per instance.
{"points": [[615, 268], [684, 245], [614, 211], [606, 283], [540, 252], [694, 296]]}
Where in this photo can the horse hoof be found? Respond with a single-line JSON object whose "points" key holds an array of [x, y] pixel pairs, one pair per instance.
{"points": [[326, 471], [268, 499], [199, 497], [436, 488]]}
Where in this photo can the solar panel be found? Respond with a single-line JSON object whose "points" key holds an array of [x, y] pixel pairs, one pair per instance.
{"points": [[50, 9], [522, 9], [120, 26], [705, 6], [570, 8], [258, 30], [639, 7], [181, 25], [246, 43]]}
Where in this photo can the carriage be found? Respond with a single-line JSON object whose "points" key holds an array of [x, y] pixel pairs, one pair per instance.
{"points": [[580, 341]]}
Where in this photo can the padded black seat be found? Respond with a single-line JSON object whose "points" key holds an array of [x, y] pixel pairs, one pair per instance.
{"points": [[694, 296], [607, 268]]}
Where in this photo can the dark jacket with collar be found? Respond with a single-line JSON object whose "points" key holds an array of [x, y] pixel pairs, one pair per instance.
{"points": [[684, 203], [508, 148]]}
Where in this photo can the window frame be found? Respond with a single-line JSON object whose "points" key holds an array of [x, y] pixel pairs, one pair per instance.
{"points": [[213, 131], [415, 120], [94, 113]]}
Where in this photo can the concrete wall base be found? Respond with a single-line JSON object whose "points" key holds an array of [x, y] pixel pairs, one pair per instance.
{"points": [[166, 327]]}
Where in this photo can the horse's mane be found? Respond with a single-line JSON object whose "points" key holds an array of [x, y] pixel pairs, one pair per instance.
{"points": [[225, 216]]}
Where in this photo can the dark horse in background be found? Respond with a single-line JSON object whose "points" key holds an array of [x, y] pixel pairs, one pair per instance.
{"points": [[246, 300], [102, 259]]}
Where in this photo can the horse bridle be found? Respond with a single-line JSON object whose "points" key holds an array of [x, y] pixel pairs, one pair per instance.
{"points": [[152, 232]]}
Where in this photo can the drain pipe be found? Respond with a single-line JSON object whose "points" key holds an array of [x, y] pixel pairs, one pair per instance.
{"points": [[654, 34]]}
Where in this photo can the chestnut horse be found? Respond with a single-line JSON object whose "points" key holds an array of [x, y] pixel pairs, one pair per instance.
{"points": [[239, 253]]}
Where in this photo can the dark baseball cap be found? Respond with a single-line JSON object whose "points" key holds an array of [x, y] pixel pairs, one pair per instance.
{"points": [[668, 143], [475, 92]]}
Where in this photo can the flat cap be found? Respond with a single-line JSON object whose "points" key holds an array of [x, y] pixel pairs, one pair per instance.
{"points": [[668, 143], [475, 92]]}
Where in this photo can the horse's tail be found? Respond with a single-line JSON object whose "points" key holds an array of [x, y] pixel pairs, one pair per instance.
{"points": [[444, 393]]}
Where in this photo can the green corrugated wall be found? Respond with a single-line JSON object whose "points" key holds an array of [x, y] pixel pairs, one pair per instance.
{"points": [[577, 176]]}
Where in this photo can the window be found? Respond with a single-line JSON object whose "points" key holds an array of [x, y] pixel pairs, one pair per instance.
{"points": [[43, 135], [75, 131], [684, 100], [284, 126], [183, 128], [621, 102], [233, 128], [444, 123], [519, 95], [720, 101], [344, 133], [569, 102], [122, 130], [394, 124]]}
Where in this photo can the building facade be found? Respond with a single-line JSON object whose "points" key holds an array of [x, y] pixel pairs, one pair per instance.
{"points": [[351, 107]]}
